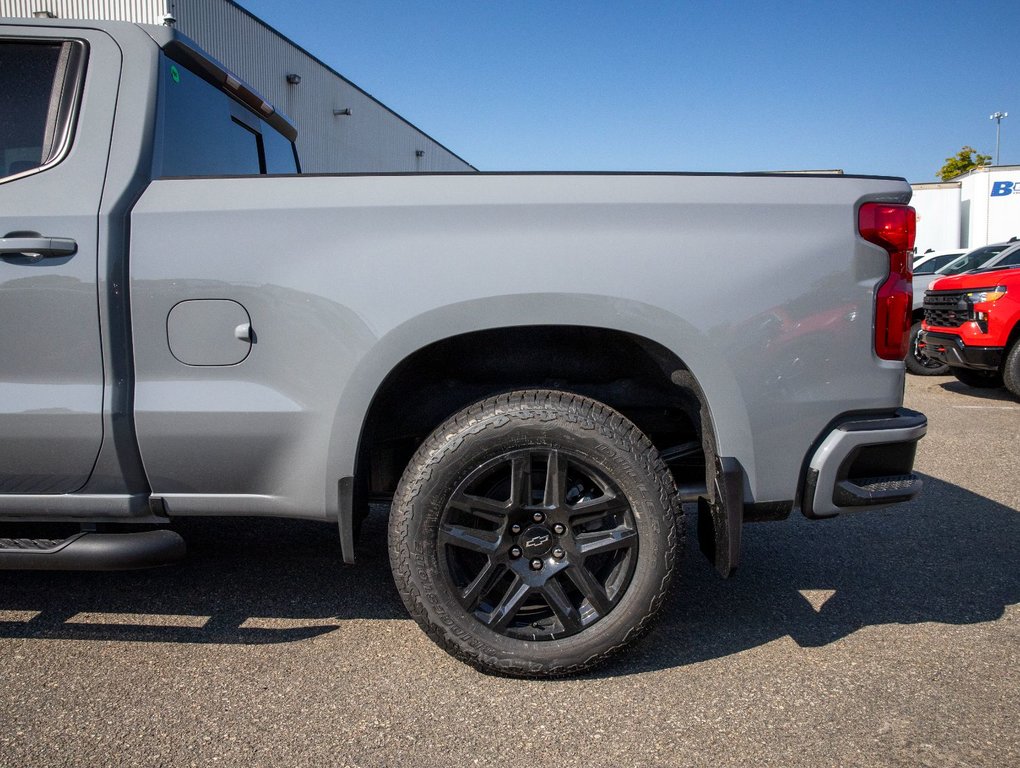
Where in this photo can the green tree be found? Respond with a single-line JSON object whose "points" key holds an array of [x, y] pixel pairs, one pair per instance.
{"points": [[961, 162]]}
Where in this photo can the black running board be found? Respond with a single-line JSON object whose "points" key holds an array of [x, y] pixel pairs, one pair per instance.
{"points": [[89, 551]]}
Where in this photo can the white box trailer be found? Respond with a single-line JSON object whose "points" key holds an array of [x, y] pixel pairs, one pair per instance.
{"points": [[976, 209], [938, 216], [990, 205]]}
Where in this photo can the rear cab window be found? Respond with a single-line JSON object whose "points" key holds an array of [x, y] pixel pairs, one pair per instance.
{"points": [[40, 89], [203, 131]]}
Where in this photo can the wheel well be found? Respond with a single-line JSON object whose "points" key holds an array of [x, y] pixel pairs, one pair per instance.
{"points": [[1014, 337], [1011, 341], [639, 378]]}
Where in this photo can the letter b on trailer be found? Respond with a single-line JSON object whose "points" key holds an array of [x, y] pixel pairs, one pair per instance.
{"points": [[1002, 188]]}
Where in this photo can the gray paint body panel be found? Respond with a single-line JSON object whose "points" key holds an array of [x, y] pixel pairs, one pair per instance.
{"points": [[51, 375], [345, 276], [205, 332]]}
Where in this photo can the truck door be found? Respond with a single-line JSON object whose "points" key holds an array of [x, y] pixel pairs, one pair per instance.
{"points": [[57, 98]]}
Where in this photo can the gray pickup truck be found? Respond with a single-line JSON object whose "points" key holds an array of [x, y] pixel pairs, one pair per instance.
{"points": [[540, 373]]}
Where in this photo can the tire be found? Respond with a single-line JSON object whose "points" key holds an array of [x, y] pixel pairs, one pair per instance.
{"points": [[527, 572], [919, 363], [1011, 370], [978, 378]]}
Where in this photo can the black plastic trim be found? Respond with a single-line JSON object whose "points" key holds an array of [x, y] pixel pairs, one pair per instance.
{"points": [[767, 511], [98, 552], [345, 517], [906, 419], [721, 518], [957, 353], [737, 174], [869, 492]]}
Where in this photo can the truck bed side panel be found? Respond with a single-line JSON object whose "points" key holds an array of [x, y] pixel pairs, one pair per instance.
{"points": [[758, 283]]}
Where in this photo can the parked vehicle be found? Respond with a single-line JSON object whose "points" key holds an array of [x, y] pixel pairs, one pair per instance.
{"points": [[972, 324], [1008, 257], [537, 370], [918, 362], [927, 263], [974, 259]]}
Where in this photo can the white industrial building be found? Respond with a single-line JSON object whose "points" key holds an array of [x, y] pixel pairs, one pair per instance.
{"points": [[341, 129], [978, 208]]}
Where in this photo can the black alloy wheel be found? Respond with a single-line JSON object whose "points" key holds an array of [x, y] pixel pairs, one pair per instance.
{"points": [[535, 534], [538, 544]]}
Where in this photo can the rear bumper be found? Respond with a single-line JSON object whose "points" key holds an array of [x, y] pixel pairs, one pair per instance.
{"points": [[864, 462], [951, 350]]}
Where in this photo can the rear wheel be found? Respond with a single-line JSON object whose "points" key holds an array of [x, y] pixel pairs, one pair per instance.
{"points": [[919, 363], [535, 534], [979, 379]]}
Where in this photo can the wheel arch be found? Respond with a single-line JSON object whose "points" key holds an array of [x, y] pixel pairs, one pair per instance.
{"points": [[1014, 336], [634, 375], [642, 335]]}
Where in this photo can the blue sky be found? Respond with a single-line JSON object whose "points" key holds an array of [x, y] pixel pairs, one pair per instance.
{"points": [[870, 87]]}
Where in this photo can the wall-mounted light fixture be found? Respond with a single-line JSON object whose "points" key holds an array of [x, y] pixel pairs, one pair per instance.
{"points": [[345, 112], [43, 15], [419, 153], [293, 79], [169, 20]]}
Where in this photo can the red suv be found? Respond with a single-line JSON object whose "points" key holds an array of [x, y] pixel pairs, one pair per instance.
{"points": [[972, 323]]}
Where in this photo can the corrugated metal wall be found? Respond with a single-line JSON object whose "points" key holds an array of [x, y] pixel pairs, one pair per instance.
{"points": [[142, 11], [370, 139]]}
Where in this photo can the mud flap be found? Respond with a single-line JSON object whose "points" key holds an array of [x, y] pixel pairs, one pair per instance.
{"points": [[345, 518], [721, 517]]}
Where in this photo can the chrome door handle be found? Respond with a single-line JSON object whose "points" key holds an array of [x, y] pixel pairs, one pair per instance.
{"points": [[36, 247]]}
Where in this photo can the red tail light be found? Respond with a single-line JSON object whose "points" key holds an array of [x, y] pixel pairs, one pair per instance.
{"points": [[892, 228]]}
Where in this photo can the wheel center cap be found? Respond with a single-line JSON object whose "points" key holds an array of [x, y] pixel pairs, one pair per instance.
{"points": [[536, 541]]}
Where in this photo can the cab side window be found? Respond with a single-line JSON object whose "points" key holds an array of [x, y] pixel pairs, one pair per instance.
{"points": [[39, 87]]}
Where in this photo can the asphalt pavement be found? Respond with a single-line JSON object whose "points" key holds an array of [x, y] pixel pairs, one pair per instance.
{"points": [[889, 638]]}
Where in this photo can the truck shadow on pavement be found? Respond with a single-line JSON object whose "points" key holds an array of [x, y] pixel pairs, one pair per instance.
{"points": [[950, 557], [245, 581]]}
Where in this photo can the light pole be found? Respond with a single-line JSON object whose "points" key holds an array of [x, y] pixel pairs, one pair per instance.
{"points": [[997, 117]]}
